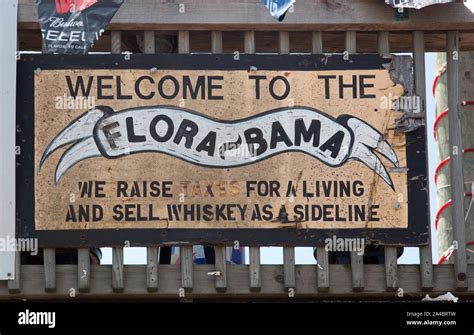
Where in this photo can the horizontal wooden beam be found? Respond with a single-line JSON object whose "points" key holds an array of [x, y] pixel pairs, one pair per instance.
{"points": [[356, 15], [267, 41], [169, 279]]}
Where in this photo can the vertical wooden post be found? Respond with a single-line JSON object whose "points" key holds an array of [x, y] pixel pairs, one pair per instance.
{"points": [[426, 257], [254, 269], [357, 261], [221, 266], [317, 42], [216, 42], [185, 252], [117, 269], [151, 252], [14, 284], [457, 176], [49, 259], [186, 256], [249, 42], [254, 252], [117, 252], [83, 269], [183, 42], [152, 269], [288, 252], [322, 268], [391, 278], [220, 252]]}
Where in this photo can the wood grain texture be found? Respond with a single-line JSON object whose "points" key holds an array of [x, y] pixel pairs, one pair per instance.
{"points": [[83, 270], [169, 277], [322, 270], [419, 44], [14, 284], [49, 259], [366, 15], [456, 162], [117, 270], [186, 256]]}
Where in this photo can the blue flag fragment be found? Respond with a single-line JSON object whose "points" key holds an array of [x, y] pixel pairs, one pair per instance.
{"points": [[278, 8]]}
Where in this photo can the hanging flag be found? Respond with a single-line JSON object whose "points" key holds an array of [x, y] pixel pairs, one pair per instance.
{"points": [[278, 8], [417, 4], [73, 26]]}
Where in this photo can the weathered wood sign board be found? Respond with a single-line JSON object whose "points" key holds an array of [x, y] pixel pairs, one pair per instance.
{"points": [[270, 150]]}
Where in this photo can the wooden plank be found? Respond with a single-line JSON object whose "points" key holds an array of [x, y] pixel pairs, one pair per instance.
{"points": [[383, 42], [183, 42], [322, 269], [185, 252], [249, 42], [289, 267], [14, 284], [49, 260], [149, 42], [152, 269], [317, 42], [254, 269], [288, 252], [426, 257], [365, 15], [254, 252], [238, 281], [117, 270], [221, 268], [83, 270], [357, 261], [284, 42], [116, 42], [301, 41], [220, 252], [391, 278], [151, 252], [186, 256], [357, 266], [455, 164], [216, 42], [350, 41], [117, 252]]}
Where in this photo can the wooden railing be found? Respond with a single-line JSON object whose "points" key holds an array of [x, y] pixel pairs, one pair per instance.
{"points": [[352, 21]]}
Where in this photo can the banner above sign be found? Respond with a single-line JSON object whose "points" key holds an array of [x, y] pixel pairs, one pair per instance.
{"points": [[73, 26], [278, 8], [301, 149]]}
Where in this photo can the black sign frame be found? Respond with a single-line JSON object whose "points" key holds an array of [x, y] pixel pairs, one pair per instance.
{"points": [[416, 234]]}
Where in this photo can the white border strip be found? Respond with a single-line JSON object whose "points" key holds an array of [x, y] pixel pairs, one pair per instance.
{"points": [[8, 36]]}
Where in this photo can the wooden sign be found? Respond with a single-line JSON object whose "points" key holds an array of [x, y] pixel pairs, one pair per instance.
{"points": [[270, 150]]}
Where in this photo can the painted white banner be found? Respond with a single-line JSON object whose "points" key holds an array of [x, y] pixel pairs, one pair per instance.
{"points": [[212, 143]]}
